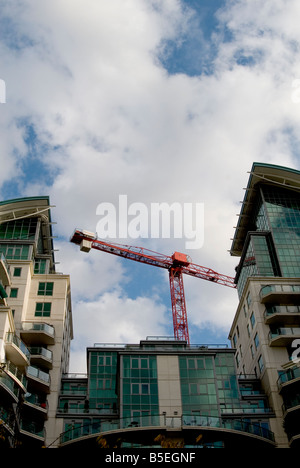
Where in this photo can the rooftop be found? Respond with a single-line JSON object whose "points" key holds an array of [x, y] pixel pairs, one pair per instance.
{"points": [[261, 173]]}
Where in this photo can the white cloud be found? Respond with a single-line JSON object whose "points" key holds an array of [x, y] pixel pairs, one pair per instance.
{"points": [[110, 120]]}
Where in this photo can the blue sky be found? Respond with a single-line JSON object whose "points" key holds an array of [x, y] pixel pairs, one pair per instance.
{"points": [[165, 101]]}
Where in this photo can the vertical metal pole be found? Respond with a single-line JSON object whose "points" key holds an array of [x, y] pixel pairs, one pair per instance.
{"points": [[180, 322]]}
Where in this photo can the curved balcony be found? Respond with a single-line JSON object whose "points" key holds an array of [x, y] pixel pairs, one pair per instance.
{"points": [[15, 373], [40, 356], [35, 333], [280, 294], [288, 378], [147, 429], [292, 406], [34, 401], [16, 351], [9, 386], [283, 336], [32, 429], [4, 271], [39, 378], [282, 313]]}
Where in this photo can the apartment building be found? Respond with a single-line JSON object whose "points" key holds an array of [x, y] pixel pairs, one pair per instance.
{"points": [[266, 328], [163, 393], [35, 325]]}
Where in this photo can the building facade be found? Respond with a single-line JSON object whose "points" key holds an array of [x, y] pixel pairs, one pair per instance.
{"points": [[163, 393], [266, 328], [35, 325]]}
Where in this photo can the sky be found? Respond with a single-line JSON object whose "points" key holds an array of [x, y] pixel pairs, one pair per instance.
{"points": [[158, 101]]}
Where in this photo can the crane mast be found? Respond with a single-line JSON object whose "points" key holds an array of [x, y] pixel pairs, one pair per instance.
{"points": [[177, 265]]}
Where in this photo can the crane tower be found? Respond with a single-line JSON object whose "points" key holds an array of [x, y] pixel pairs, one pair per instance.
{"points": [[177, 265]]}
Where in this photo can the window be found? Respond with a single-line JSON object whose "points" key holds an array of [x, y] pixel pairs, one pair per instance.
{"points": [[140, 388], [260, 363], [252, 320], [40, 266], [234, 340], [256, 341], [248, 299], [104, 384], [17, 271], [43, 309], [45, 289], [248, 330], [13, 292], [252, 351], [15, 252]]}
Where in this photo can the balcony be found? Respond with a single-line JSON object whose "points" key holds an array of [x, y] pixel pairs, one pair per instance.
{"points": [[15, 373], [280, 294], [288, 314], [32, 429], [288, 378], [291, 406], [40, 356], [231, 430], [16, 351], [34, 333], [283, 336], [9, 386], [35, 402], [4, 271], [39, 378]]}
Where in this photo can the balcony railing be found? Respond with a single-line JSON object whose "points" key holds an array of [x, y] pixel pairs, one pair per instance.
{"points": [[38, 374], [15, 371], [162, 421], [288, 376], [281, 309], [40, 351], [4, 270], [271, 292], [13, 338], [284, 332], [9, 384], [34, 326], [32, 428]]}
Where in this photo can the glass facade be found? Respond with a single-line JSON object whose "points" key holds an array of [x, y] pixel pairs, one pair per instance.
{"points": [[272, 247], [102, 391], [139, 400], [126, 392]]}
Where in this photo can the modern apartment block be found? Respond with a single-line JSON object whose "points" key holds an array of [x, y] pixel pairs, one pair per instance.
{"points": [[163, 393], [266, 327], [35, 325]]}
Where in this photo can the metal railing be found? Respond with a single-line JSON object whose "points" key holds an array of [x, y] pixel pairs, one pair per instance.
{"points": [[13, 338], [75, 431]]}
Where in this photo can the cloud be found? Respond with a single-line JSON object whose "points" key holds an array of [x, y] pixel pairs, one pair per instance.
{"points": [[91, 81]]}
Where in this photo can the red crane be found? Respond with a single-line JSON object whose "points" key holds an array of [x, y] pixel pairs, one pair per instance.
{"points": [[178, 264]]}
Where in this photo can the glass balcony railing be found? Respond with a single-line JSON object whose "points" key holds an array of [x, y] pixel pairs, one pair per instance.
{"points": [[284, 332], [288, 376], [33, 428], [281, 309], [15, 371], [9, 384], [34, 326], [13, 338], [279, 288], [76, 431], [40, 351], [38, 374]]}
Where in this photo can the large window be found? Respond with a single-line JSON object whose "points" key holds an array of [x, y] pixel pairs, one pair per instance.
{"points": [[45, 289], [43, 309], [20, 229], [15, 251]]}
